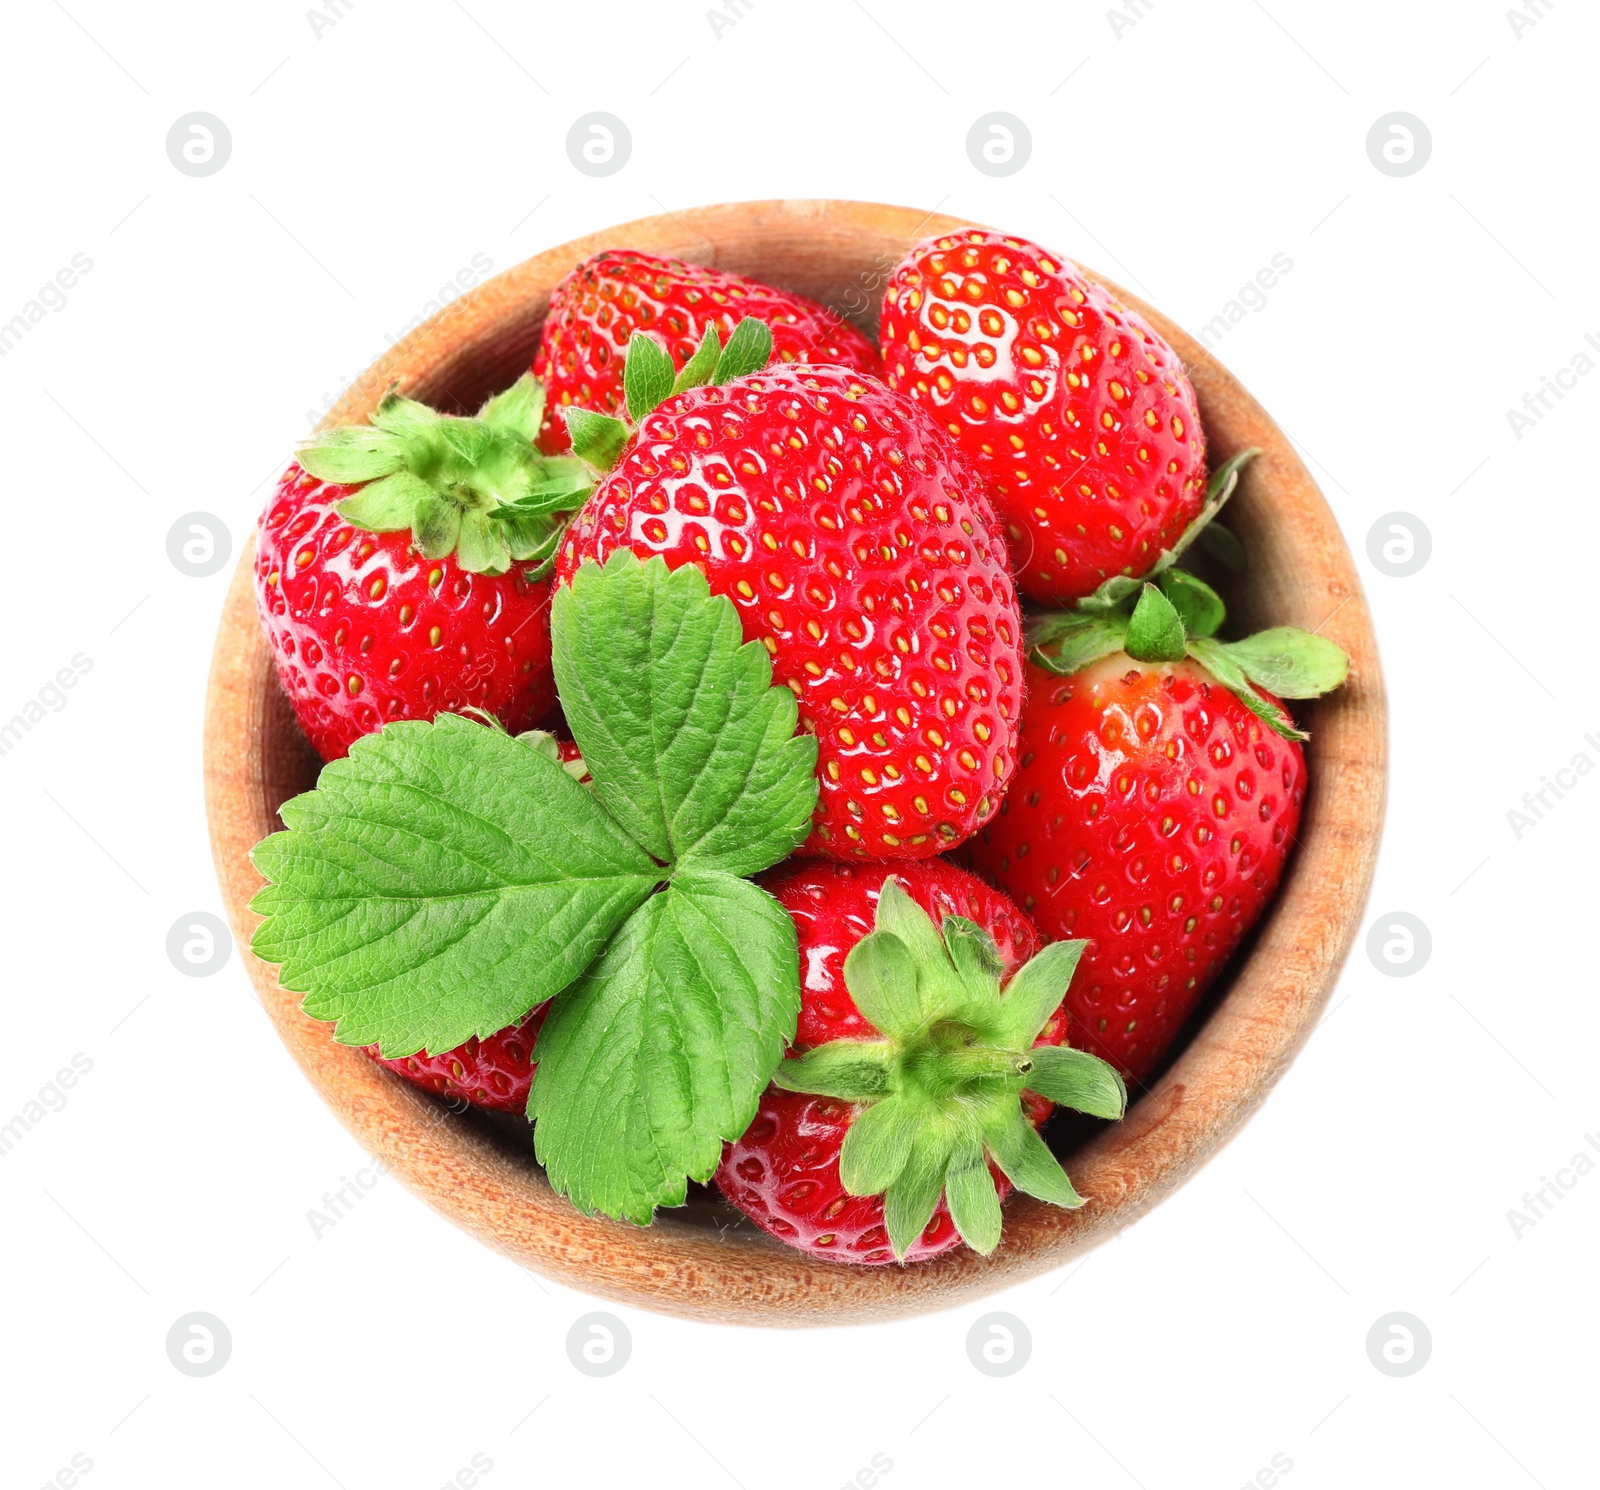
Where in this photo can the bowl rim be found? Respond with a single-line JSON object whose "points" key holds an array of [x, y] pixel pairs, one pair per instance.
{"points": [[1304, 575]]}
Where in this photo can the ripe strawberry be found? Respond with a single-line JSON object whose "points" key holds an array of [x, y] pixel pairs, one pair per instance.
{"points": [[857, 546], [596, 309], [398, 568], [1077, 414], [493, 1073], [904, 1122], [1157, 798]]}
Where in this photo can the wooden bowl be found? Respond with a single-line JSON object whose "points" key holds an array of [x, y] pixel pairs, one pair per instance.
{"points": [[482, 1175]]}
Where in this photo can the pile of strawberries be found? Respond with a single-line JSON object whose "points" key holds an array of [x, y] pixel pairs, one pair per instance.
{"points": [[1037, 765]]}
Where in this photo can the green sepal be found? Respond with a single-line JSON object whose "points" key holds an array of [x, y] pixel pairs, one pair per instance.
{"points": [[1218, 661], [1222, 543], [1079, 1080], [648, 381], [1025, 1159], [850, 1070], [939, 991], [436, 525], [1290, 662], [544, 743], [387, 505], [878, 1143], [480, 547], [910, 1201], [1066, 641], [404, 416], [881, 975], [517, 412], [357, 453], [1222, 485], [1112, 595], [1155, 629], [749, 349], [975, 957], [597, 439], [646, 375], [942, 1090], [973, 1200], [702, 367], [478, 488], [1036, 992], [1199, 607]]}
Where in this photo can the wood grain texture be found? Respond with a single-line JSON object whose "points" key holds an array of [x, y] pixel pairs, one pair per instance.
{"points": [[482, 1175]]}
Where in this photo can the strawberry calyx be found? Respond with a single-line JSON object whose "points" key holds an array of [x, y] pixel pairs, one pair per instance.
{"points": [[1170, 614], [598, 440], [940, 1089], [476, 489]]}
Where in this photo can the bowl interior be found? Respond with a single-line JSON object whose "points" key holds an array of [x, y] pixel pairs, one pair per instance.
{"points": [[704, 1259]]}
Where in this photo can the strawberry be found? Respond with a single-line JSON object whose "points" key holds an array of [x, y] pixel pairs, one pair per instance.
{"points": [[596, 309], [903, 1121], [1076, 413], [1156, 801], [856, 545], [495, 1072], [398, 568]]}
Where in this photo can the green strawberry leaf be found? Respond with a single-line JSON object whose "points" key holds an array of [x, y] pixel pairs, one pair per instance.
{"points": [[660, 1052], [1155, 629], [438, 882], [690, 744], [444, 878]]}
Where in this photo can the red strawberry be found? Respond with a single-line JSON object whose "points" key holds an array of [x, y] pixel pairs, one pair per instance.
{"points": [[857, 546], [495, 1072], [397, 569], [1155, 804], [1077, 414], [900, 1134], [596, 309]]}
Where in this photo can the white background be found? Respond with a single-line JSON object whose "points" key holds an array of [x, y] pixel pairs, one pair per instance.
{"points": [[371, 160]]}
